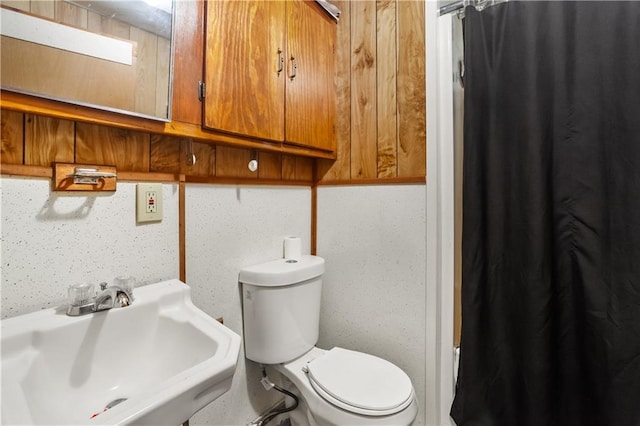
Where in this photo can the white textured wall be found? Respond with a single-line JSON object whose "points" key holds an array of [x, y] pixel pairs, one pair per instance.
{"points": [[228, 228], [373, 240], [50, 240]]}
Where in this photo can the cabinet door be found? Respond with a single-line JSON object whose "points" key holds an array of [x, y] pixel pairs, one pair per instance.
{"points": [[188, 58], [244, 90], [310, 97]]}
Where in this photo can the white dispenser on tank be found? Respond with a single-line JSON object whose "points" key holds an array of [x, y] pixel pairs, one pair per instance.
{"points": [[281, 314]]}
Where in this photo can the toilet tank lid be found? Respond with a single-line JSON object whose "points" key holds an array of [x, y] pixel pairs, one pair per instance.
{"points": [[282, 272]]}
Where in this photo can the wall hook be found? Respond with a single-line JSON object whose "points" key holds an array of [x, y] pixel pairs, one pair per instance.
{"points": [[253, 162], [190, 156]]}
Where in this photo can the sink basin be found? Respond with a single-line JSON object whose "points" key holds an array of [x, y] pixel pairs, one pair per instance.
{"points": [[162, 356]]}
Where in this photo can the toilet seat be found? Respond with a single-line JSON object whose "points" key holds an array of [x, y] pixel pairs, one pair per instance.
{"points": [[360, 383]]}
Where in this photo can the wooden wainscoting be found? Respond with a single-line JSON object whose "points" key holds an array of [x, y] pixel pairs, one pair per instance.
{"points": [[32, 140]]}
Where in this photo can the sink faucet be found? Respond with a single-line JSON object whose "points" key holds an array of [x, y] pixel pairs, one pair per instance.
{"points": [[111, 297], [108, 298]]}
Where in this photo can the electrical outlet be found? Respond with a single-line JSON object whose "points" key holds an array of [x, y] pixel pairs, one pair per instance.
{"points": [[150, 198], [149, 202]]}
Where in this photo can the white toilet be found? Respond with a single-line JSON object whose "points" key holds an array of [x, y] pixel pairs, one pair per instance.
{"points": [[281, 311]]}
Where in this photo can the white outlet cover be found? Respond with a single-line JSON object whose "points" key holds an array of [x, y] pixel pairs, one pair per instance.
{"points": [[141, 202]]}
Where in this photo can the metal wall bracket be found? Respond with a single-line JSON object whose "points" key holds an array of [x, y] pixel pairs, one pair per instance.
{"points": [[81, 177], [90, 176]]}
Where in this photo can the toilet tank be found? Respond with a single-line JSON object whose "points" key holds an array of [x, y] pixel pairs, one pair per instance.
{"points": [[281, 308]]}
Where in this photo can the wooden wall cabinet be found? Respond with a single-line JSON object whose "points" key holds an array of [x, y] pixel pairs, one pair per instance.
{"points": [[269, 71]]}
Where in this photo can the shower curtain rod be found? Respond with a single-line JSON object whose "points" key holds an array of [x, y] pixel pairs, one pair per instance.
{"points": [[479, 5]]}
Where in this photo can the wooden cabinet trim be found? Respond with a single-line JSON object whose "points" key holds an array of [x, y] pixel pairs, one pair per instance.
{"points": [[47, 172], [418, 180], [46, 107]]}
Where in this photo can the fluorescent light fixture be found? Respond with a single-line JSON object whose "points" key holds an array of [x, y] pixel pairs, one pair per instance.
{"points": [[48, 33]]}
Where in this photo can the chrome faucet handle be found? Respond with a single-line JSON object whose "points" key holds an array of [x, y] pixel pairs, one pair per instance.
{"points": [[80, 294]]}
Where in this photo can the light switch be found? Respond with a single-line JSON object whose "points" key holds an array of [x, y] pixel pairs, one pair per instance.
{"points": [[149, 202]]}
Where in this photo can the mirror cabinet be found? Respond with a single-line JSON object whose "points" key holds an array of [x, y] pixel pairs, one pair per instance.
{"points": [[108, 54]]}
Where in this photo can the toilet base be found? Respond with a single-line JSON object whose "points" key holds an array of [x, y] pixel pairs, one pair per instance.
{"points": [[313, 410]]}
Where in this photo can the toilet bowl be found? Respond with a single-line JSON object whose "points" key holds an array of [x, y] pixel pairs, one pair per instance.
{"points": [[341, 387], [281, 316]]}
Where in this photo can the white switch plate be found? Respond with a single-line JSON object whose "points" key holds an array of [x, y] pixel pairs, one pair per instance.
{"points": [[149, 202]]}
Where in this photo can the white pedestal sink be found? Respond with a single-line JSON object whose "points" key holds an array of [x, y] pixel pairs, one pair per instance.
{"points": [[164, 356]]}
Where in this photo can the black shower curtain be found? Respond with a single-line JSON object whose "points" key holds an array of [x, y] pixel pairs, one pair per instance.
{"points": [[551, 228]]}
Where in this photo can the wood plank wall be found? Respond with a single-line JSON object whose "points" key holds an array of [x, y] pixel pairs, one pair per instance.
{"points": [[380, 83], [35, 140], [380, 123]]}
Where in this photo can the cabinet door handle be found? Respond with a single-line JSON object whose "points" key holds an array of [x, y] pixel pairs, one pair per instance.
{"points": [[294, 68], [280, 65]]}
